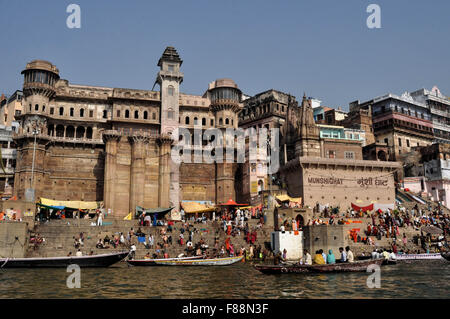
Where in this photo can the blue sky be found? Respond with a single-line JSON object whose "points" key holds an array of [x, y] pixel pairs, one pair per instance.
{"points": [[323, 48]]}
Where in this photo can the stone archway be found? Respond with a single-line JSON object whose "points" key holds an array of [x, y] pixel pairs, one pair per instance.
{"points": [[300, 221], [382, 156]]}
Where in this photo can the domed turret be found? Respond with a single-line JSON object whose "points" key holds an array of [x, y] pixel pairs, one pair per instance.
{"points": [[225, 97]]}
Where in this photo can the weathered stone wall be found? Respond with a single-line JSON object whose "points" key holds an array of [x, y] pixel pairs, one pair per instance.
{"points": [[74, 173], [324, 237], [340, 183], [197, 182], [13, 239]]}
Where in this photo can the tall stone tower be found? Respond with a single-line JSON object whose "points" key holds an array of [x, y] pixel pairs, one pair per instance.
{"points": [[225, 97], [40, 78], [169, 79], [308, 141]]}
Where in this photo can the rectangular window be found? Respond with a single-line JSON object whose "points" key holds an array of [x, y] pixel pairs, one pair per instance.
{"points": [[407, 143], [91, 113], [171, 67], [349, 155], [331, 154], [118, 113], [399, 142], [52, 110], [170, 114]]}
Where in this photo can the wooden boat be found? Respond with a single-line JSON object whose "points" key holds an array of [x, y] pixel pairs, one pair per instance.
{"points": [[200, 262], [103, 260], [389, 262], [446, 256], [152, 262], [282, 269], [356, 266], [338, 267], [403, 257]]}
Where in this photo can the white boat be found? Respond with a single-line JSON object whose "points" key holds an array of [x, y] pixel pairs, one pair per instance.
{"points": [[419, 256], [200, 262], [152, 262]]}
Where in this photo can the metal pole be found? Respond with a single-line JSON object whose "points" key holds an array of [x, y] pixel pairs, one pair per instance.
{"points": [[34, 155], [269, 200]]}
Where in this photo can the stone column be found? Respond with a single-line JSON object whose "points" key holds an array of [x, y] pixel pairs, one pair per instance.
{"points": [[111, 139], [137, 175], [165, 143]]}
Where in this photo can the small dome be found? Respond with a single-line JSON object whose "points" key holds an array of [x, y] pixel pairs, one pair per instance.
{"points": [[41, 65]]}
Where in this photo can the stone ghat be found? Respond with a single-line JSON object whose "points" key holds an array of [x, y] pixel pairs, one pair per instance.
{"points": [[59, 237]]}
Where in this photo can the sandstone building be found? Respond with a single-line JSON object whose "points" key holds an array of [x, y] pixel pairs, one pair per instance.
{"points": [[106, 144]]}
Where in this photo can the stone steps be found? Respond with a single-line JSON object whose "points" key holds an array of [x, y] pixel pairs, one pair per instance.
{"points": [[60, 237]]}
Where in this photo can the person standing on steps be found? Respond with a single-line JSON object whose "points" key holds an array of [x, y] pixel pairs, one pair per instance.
{"points": [[100, 219]]}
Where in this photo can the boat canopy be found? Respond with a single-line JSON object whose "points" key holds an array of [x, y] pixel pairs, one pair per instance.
{"points": [[160, 211], [68, 204], [232, 203], [195, 207], [286, 199]]}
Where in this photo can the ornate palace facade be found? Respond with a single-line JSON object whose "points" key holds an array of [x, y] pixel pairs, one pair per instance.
{"points": [[111, 144]]}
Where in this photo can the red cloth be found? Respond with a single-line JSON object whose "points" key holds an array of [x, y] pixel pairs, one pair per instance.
{"points": [[364, 209]]}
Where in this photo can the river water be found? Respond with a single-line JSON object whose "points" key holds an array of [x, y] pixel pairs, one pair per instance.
{"points": [[423, 279]]}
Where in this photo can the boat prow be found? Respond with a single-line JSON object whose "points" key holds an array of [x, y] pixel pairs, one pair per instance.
{"points": [[446, 256]]}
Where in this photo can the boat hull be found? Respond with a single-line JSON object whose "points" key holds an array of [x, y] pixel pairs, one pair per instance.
{"points": [[357, 266], [403, 257], [152, 262], [282, 269], [103, 260], [446, 256], [201, 262]]}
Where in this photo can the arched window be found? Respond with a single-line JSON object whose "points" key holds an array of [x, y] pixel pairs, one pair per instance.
{"points": [[186, 121], [89, 133], [43, 108], [70, 131], [81, 112], [59, 131], [145, 115], [50, 130], [170, 90], [195, 120], [136, 114], [203, 121], [227, 121], [71, 111], [36, 107], [220, 121], [127, 114], [61, 111], [80, 132]]}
